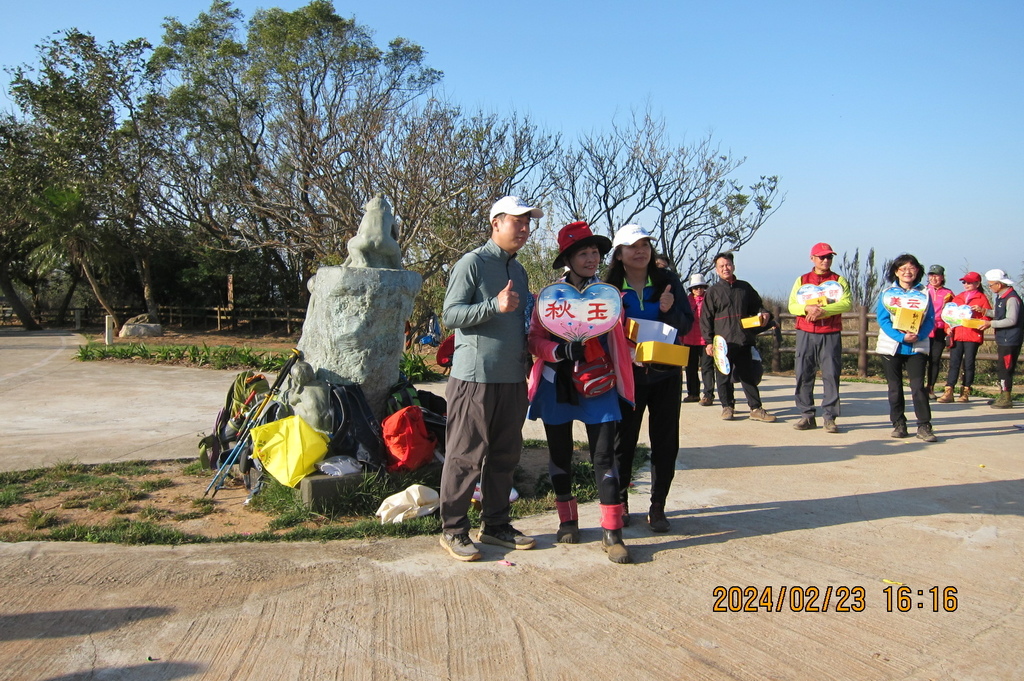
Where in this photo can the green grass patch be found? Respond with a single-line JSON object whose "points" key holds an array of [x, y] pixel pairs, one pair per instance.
{"points": [[36, 519], [218, 357]]}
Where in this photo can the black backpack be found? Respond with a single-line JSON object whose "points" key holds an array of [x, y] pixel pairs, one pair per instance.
{"points": [[356, 432]]}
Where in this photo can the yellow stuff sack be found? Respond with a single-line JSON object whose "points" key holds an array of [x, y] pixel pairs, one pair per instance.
{"points": [[288, 449]]}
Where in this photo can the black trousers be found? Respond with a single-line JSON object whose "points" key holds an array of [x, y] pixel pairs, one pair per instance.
{"points": [[1007, 364], [936, 345], [962, 353], [744, 368], [915, 364], [699, 359], [601, 438], [661, 399]]}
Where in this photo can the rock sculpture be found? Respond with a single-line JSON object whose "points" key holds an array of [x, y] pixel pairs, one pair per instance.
{"points": [[376, 242]]}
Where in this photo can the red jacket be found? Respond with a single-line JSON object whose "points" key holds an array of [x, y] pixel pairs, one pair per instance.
{"points": [[963, 333]]}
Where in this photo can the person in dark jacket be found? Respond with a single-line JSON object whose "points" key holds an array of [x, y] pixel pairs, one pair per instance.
{"points": [[1008, 322], [655, 294], [726, 304]]}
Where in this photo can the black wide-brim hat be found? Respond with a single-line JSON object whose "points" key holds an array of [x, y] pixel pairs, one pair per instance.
{"points": [[576, 235]]}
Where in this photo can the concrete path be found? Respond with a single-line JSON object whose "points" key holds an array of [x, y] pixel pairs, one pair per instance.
{"points": [[842, 522]]}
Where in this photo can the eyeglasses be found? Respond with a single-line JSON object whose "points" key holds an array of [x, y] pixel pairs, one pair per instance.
{"points": [[907, 269], [824, 257]]}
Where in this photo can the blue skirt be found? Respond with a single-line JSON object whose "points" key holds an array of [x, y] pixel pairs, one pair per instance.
{"points": [[600, 409]]}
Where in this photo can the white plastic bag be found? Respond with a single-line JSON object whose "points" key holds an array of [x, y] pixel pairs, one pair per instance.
{"points": [[340, 465]]}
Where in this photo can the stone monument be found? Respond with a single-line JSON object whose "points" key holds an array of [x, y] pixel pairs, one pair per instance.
{"points": [[354, 331]]}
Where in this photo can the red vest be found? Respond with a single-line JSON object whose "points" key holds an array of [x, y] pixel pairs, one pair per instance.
{"points": [[828, 324]]}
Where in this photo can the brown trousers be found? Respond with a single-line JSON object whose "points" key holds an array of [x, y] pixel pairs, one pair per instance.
{"points": [[484, 442]]}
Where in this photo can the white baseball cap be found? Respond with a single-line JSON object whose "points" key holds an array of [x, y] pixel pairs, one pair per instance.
{"points": [[629, 235], [513, 205], [998, 275]]}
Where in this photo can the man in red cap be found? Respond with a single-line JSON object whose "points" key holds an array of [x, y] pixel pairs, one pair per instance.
{"points": [[819, 299]]}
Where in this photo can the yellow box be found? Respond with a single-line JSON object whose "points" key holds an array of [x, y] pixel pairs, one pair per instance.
{"points": [[907, 321], [972, 323], [751, 322], [663, 353], [821, 300], [632, 329]]}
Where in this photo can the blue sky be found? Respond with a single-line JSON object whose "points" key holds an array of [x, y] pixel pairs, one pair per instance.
{"points": [[892, 125]]}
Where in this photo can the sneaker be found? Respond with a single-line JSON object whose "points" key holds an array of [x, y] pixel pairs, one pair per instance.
{"points": [[727, 414], [707, 401], [505, 535], [691, 398], [805, 423], [830, 426], [762, 415], [924, 432], [460, 546], [900, 431]]}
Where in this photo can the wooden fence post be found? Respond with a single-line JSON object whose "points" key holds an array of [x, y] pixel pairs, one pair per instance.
{"points": [[862, 343], [776, 353]]}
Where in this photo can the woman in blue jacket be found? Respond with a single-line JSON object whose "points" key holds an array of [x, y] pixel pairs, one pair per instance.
{"points": [[900, 348]]}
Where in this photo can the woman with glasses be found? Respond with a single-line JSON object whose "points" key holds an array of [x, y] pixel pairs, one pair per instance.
{"points": [[905, 318]]}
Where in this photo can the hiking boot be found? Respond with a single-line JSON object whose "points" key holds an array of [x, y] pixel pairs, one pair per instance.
{"points": [[965, 394], [460, 546], [625, 514], [505, 535], [727, 413], [656, 518], [1004, 401], [691, 398], [947, 395], [568, 532], [805, 423], [611, 542], [924, 432], [707, 401], [900, 430], [830, 426], [762, 415]]}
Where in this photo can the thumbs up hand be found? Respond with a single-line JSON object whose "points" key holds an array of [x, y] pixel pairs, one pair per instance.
{"points": [[508, 300], [667, 300]]}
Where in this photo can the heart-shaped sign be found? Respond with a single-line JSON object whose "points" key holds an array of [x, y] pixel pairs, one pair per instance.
{"points": [[954, 314], [578, 315], [907, 300]]}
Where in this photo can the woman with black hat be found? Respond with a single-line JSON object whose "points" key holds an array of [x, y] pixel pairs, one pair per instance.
{"points": [[557, 401]]}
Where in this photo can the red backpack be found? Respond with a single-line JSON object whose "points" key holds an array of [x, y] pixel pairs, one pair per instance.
{"points": [[410, 445]]}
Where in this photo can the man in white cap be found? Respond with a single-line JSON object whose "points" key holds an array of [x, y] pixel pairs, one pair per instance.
{"points": [[1008, 322], [485, 304], [819, 338]]}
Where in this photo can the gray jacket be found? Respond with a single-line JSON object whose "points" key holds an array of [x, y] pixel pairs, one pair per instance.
{"points": [[490, 347]]}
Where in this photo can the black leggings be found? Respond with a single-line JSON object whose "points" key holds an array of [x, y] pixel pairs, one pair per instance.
{"points": [[962, 352], [661, 400], [937, 344], [602, 453]]}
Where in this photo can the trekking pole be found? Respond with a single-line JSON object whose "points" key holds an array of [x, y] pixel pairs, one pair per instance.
{"points": [[251, 418]]}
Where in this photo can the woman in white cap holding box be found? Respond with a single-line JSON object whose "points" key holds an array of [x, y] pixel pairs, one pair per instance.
{"points": [[650, 293], [1008, 322]]}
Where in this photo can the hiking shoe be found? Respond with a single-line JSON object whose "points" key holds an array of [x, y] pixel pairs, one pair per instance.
{"points": [[505, 535], [656, 518], [762, 415], [460, 546], [707, 401], [947, 395], [1004, 401], [611, 542], [727, 414], [924, 432], [830, 426], [900, 431], [568, 532], [805, 423], [691, 398]]}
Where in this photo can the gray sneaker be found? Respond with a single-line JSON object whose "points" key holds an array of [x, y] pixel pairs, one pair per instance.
{"points": [[924, 432], [762, 415], [727, 413], [505, 535], [460, 546]]}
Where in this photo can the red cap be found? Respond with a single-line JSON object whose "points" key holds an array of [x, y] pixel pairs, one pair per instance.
{"points": [[822, 249], [971, 278], [576, 233]]}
